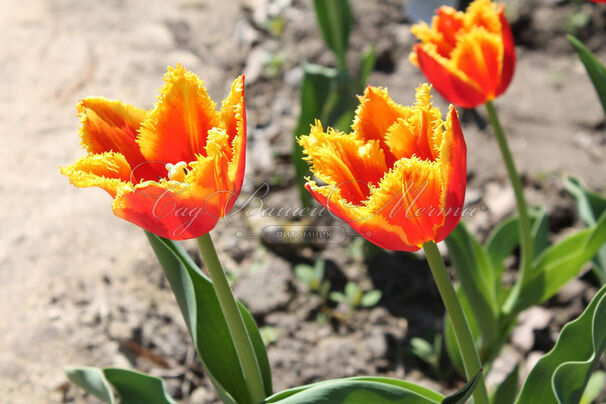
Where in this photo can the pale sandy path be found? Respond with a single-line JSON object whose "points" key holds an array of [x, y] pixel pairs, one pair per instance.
{"points": [[54, 238]]}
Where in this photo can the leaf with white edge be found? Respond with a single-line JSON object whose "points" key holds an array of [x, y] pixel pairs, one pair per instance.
{"points": [[561, 375], [92, 381], [358, 390], [461, 396]]}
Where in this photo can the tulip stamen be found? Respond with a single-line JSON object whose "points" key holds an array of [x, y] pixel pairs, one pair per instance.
{"points": [[177, 172]]}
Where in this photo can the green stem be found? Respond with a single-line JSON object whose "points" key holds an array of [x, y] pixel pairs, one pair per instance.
{"points": [[527, 248], [469, 352], [235, 323]]}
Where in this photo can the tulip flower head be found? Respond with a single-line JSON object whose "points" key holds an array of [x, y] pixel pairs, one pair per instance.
{"points": [[468, 57], [174, 170], [399, 178]]}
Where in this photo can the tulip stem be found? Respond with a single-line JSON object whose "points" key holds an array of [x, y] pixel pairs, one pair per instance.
{"points": [[235, 322], [469, 352], [527, 248]]}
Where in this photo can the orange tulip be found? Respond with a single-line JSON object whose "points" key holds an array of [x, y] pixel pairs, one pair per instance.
{"points": [[174, 170], [469, 57], [399, 178]]}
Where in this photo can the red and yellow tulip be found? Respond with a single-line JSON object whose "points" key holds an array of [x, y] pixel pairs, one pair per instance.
{"points": [[174, 170], [399, 178], [468, 57]]}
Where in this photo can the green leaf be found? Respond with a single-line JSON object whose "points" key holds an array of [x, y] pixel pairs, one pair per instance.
{"points": [[368, 59], [200, 308], [358, 390], [306, 274], [423, 349], [507, 391], [504, 239], [336, 21], [474, 269], [339, 297], [560, 263], [596, 383], [590, 205], [137, 388], [371, 298], [461, 396], [92, 381], [132, 387], [562, 374], [316, 86], [594, 68]]}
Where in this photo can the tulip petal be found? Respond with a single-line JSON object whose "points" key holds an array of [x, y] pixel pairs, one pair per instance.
{"points": [[233, 114], [109, 171], [165, 210], [483, 13], [111, 126], [453, 157], [420, 134], [177, 128], [344, 161], [375, 114], [479, 55], [375, 229], [509, 54], [188, 209], [448, 80], [409, 200]]}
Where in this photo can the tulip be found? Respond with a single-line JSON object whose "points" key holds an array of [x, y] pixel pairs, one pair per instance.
{"points": [[468, 57], [174, 170], [399, 178]]}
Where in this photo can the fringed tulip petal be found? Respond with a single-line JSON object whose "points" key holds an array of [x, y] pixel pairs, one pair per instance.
{"points": [[112, 126], [376, 113], [177, 127], [418, 135], [192, 156], [469, 57], [453, 152], [233, 114], [410, 198], [344, 161], [109, 171], [409, 205]]}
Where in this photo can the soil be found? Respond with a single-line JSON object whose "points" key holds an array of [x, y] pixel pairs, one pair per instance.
{"points": [[80, 286]]}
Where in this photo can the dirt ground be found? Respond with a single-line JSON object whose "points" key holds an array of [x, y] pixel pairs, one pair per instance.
{"points": [[80, 286]]}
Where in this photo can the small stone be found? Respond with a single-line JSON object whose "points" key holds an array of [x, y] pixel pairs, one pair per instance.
{"points": [[201, 395]]}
